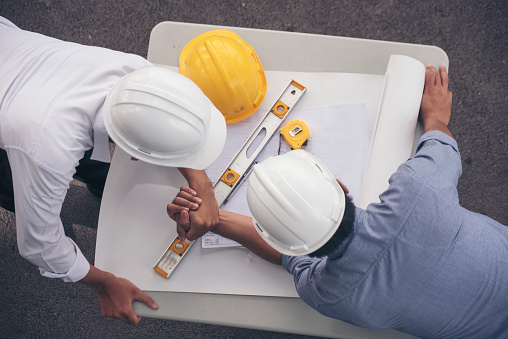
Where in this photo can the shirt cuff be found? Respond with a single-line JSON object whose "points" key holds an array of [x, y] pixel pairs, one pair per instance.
{"points": [[439, 136], [78, 270]]}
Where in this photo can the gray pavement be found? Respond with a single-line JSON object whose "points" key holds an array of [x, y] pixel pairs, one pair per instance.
{"points": [[473, 33]]}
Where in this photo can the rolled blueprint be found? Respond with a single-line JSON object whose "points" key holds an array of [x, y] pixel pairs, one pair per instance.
{"points": [[394, 133]]}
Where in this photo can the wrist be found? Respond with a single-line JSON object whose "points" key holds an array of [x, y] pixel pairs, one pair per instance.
{"points": [[97, 279], [430, 120], [196, 178], [219, 226], [200, 183], [436, 125], [222, 224]]}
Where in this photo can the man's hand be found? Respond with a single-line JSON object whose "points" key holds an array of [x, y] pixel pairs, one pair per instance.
{"points": [[436, 107], [116, 295], [205, 216], [178, 210]]}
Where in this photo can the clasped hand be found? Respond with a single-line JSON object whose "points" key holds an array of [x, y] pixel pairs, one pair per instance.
{"points": [[193, 216]]}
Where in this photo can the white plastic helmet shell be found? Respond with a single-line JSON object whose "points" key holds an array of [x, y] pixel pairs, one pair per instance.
{"points": [[162, 117], [296, 202]]}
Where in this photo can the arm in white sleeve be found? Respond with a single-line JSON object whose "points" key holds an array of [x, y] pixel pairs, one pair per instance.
{"points": [[38, 194]]}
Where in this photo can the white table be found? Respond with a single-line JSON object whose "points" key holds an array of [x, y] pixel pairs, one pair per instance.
{"points": [[280, 51]]}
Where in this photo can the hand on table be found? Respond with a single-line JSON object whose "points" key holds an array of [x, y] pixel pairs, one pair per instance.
{"points": [[436, 106], [116, 295], [116, 300]]}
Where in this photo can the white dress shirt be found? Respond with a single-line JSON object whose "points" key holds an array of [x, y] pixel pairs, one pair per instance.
{"points": [[51, 97]]}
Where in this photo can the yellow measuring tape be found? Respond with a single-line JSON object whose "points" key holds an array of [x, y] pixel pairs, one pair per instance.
{"points": [[296, 133]]}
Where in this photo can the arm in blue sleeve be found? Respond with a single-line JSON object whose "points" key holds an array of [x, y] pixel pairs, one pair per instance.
{"points": [[303, 269], [437, 163]]}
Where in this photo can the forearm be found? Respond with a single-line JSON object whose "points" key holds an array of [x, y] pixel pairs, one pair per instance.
{"points": [[60, 259], [241, 229], [41, 237], [97, 279], [197, 179]]}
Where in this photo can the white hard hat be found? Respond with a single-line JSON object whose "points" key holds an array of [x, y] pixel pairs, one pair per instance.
{"points": [[296, 202], [161, 117]]}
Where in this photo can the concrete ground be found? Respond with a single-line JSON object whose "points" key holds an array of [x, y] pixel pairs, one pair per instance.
{"points": [[474, 34]]}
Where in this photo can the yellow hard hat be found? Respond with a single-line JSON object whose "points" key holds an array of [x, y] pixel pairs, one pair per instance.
{"points": [[227, 70]]}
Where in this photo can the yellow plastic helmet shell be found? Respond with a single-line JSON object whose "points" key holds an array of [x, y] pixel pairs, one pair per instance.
{"points": [[227, 70]]}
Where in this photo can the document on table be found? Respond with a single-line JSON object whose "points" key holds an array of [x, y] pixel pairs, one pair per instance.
{"points": [[338, 136]]}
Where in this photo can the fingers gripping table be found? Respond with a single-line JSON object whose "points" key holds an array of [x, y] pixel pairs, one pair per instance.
{"points": [[279, 51]]}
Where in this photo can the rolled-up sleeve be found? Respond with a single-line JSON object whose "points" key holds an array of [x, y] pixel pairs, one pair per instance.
{"points": [[39, 193], [437, 163]]}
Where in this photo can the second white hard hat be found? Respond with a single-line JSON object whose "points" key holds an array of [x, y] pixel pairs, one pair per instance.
{"points": [[161, 117], [296, 203]]}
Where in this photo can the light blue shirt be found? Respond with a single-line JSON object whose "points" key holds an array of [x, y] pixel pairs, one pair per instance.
{"points": [[417, 261]]}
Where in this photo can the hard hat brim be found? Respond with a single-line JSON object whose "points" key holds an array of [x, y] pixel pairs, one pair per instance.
{"points": [[209, 153], [213, 145], [203, 158]]}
